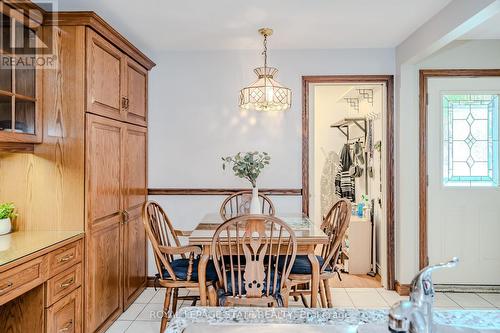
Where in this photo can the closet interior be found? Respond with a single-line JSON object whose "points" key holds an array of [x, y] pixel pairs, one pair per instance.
{"points": [[348, 149]]}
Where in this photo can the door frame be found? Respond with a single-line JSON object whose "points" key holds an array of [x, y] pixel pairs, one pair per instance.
{"points": [[351, 79], [424, 76]]}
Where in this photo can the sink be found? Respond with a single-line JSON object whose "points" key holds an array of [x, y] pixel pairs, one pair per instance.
{"points": [[369, 328]]}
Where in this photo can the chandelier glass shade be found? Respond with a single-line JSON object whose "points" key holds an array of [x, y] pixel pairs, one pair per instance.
{"points": [[265, 94]]}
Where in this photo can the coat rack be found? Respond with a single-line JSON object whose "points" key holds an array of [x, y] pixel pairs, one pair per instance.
{"points": [[343, 126]]}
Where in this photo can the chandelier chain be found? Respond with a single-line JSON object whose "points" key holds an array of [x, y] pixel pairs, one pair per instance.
{"points": [[264, 53]]}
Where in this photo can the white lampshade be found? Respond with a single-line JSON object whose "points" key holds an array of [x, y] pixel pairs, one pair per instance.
{"points": [[265, 94]]}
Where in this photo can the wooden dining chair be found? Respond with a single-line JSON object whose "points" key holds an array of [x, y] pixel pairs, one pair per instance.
{"points": [[177, 265], [268, 246], [238, 204], [334, 225]]}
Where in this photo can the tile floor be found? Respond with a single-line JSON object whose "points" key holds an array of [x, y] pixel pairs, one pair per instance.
{"points": [[144, 315]]}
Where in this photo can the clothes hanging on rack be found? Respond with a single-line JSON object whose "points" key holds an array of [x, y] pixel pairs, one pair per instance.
{"points": [[369, 142], [344, 183]]}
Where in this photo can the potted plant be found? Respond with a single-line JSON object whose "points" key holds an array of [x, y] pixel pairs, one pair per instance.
{"points": [[6, 216], [249, 166]]}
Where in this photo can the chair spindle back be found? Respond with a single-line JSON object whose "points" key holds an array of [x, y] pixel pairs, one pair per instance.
{"points": [[335, 225], [238, 204], [253, 256], [161, 233]]}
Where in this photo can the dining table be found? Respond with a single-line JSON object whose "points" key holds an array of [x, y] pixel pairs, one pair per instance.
{"points": [[308, 235]]}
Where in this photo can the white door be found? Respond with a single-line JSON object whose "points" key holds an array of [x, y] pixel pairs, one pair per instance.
{"points": [[463, 190]]}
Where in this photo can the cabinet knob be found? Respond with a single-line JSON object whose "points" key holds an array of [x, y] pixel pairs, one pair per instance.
{"points": [[126, 216], [124, 102], [6, 287]]}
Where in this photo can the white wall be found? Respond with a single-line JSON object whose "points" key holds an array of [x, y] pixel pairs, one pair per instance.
{"points": [[459, 54], [194, 120]]}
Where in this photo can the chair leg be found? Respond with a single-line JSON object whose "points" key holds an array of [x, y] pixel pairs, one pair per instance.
{"points": [[286, 298], [322, 294], [174, 301], [212, 296], [166, 310], [328, 292], [295, 297], [304, 300]]}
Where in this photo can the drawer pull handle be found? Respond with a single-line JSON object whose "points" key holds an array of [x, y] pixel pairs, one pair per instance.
{"points": [[6, 287], [65, 258], [68, 283], [67, 326]]}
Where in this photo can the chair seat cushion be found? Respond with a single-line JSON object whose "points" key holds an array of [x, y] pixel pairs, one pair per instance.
{"points": [[180, 267], [302, 265]]}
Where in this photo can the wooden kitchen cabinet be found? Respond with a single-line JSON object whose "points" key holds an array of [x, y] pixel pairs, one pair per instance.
{"points": [[116, 84], [20, 79], [113, 98], [45, 295], [116, 180]]}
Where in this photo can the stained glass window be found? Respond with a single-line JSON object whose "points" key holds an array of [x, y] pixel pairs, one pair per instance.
{"points": [[470, 140]]}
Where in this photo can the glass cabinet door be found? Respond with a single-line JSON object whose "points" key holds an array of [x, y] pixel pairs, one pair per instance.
{"points": [[18, 81]]}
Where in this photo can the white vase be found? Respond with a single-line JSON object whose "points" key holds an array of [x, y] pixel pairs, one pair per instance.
{"points": [[255, 203], [5, 226], [5, 241]]}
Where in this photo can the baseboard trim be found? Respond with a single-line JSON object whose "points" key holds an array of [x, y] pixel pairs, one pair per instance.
{"points": [[151, 283], [402, 289], [466, 288]]}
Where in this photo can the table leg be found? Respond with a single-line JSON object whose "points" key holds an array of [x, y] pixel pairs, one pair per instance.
{"points": [[202, 274], [314, 279]]}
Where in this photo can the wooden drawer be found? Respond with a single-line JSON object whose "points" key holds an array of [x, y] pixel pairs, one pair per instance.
{"points": [[65, 316], [63, 283], [20, 279], [64, 257]]}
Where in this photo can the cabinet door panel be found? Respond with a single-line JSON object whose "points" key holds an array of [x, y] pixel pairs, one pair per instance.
{"points": [[103, 290], [134, 166], [136, 87], [134, 257], [134, 196], [104, 230], [104, 77], [103, 169], [65, 315]]}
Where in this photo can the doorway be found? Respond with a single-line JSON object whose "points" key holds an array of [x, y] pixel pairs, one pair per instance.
{"points": [[462, 175], [352, 115]]}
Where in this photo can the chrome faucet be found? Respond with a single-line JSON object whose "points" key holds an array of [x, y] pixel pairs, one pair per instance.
{"points": [[415, 315]]}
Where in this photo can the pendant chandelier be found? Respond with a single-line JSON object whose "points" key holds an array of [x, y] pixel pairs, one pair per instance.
{"points": [[265, 94]]}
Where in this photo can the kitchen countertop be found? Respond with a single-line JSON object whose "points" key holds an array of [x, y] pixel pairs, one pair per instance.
{"points": [[194, 316], [18, 244]]}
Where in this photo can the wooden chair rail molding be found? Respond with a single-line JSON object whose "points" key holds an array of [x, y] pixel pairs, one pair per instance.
{"points": [[222, 191]]}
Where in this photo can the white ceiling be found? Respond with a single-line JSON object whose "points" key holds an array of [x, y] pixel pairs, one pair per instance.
{"points": [[487, 30], [233, 24]]}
